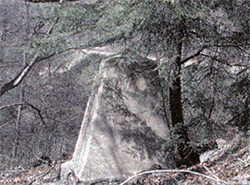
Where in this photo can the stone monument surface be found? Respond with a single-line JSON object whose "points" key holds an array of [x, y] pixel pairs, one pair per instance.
{"points": [[124, 130]]}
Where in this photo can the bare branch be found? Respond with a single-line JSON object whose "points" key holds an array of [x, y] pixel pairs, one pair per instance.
{"points": [[42, 175], [30, 105], [6, 122], [52, 26], [39, 113], [175, 171], [193, 56], [19, 78], [10, 105], [237, 115], [211, 172], [217, 59]]}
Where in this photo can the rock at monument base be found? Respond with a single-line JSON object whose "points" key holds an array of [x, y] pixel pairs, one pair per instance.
{"points": [[123, 130]]}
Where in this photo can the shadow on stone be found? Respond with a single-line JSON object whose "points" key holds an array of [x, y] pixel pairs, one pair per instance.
{"points": [[124, 128]]}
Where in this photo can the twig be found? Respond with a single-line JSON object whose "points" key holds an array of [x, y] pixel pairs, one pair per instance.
{"points": [[193, 56], [211, 173], [14, 171], [244, 162], [28, 104], [40, 176], [237, 115], [169, 171], [5, 122]]}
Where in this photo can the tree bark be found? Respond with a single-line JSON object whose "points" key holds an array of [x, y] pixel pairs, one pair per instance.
{"points": [[188, 156]]}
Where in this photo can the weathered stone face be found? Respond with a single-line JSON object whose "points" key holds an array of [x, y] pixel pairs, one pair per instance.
{"points": [[123, 130]]}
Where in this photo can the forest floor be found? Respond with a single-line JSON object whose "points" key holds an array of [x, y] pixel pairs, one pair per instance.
{"points": [[229, 165]]}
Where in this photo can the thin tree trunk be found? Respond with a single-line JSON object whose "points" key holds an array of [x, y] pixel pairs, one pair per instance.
{"points": [[246, 116], [2, 36], [164, 96], [16, 141], [19, 111], [188, 156]]}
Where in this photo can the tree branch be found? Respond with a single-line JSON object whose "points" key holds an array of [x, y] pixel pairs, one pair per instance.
{"points": [[175, 171], [42, 175], [30, 105], [237, 115], [19, 78], [193, 56], [39, 113], [217, 59]]}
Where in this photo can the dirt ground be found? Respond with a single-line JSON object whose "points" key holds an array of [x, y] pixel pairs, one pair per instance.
{"points": [[229, 165]]}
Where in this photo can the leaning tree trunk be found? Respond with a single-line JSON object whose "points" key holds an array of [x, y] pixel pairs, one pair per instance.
{"points": [[188, 155]]}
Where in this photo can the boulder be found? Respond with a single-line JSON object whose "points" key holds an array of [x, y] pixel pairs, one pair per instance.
{"points": [[124, 130]]}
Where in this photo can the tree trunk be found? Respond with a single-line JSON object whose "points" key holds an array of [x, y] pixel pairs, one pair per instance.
{"points": [[245, 122], [17, 133], [188, 156]]}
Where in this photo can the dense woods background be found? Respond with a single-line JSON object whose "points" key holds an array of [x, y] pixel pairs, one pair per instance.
{"points": [[201, 49]]}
